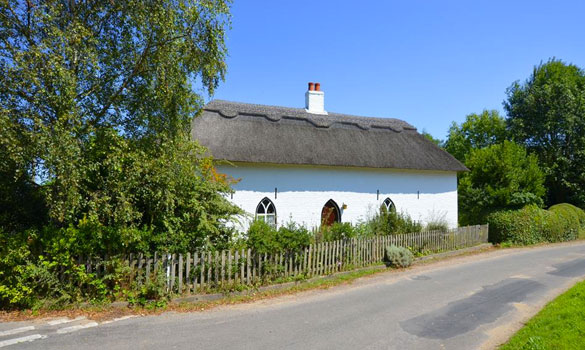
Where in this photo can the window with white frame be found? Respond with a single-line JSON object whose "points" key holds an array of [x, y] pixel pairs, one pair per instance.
{"points": [[389, 205], [266, 212]]}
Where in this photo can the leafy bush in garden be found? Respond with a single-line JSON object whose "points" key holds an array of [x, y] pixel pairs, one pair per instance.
{"points": [[531, 225], [263, 238], [337, 231], [28, 280], [150, 293], [294, 237], [574, 216], [398, 256], [442, 226], [392, 222], [383, 223]]}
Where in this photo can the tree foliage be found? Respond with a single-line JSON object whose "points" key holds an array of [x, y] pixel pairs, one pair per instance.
{"points": [[547, 114], [501, 176], [431, 138], [476, 132], [96, 100]]}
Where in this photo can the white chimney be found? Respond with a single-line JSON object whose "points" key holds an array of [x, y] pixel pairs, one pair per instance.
{"points": [[315, 99]]}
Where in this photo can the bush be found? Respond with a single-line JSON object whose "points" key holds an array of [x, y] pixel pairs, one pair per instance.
{"points": [[293, 237], [263, 238], [392, 222], [531, 225], [398, 256], [573, 216], [337, 231], [31, 280], [442, 226]]}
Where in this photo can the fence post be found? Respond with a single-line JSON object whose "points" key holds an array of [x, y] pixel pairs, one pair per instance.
{"points": [[188, 273], [210, 263], [167, 269], [317, 258], [173, 271], [323, 257], [180, 273], [229, 272], [326, 258], [222, 267], [202, 278], [195, 262], [248, 280], [147, 273], [243, 267], [310, 262], [291, 268]]}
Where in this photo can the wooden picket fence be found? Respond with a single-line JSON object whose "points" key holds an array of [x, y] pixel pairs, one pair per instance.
{"points": [[205, 271]]}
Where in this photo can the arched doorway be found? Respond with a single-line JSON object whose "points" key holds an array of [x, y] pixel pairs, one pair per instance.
{"points": [[330, 213]]}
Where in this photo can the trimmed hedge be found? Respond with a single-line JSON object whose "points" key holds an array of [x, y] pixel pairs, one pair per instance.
{"points": [[530, 225], [570, 213]]}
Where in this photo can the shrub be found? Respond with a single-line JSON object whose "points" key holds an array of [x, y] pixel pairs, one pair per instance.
{"points": [[531, 225], [262, 237], [152, 293], [442, 226], [572, 216], [392, 222], [337, 231], [398, 256], [293, 237], [32, 280], [569, 211]]}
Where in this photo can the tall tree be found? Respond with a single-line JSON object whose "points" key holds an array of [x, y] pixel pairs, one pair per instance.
{"points": [[501, 176], [96, 99], [476, 132], [430, 137], [547, 114]]}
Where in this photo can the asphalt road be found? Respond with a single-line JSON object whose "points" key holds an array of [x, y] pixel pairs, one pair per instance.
{"points": [[470, 302]]}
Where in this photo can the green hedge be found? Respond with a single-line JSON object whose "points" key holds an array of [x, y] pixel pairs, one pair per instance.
{"points": [[572, 214], [530, 225]]}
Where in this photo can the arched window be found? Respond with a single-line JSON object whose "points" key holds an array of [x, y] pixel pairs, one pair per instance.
{"points": [[330, 213], [266, 212], [388, 205]]}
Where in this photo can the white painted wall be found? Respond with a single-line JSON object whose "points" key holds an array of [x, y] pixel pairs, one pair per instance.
{"points": [[303, 190]]}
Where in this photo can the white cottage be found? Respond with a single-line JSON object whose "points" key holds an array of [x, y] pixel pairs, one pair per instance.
{"points": [[309, 165]]}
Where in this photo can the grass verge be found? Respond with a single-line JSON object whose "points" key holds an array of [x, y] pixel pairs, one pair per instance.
{"points": [[560, 325]]}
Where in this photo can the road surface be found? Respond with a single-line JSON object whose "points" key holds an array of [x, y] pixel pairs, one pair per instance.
{"points": [[470, 302]]}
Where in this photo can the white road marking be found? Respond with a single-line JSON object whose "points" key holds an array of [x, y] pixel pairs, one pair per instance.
{"points": [[21, 340], [16, 331], [76, 328], [118, 319], [65, 320]]}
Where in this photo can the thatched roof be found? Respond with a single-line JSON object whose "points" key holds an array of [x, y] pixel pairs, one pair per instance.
{"points": [[241, 132]]}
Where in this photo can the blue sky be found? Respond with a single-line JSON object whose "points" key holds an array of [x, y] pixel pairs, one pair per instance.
{"points": [[427, 62]]}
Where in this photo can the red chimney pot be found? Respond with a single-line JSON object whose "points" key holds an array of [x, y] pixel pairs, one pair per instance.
{"points": [[317, 86], [311, 86]]}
